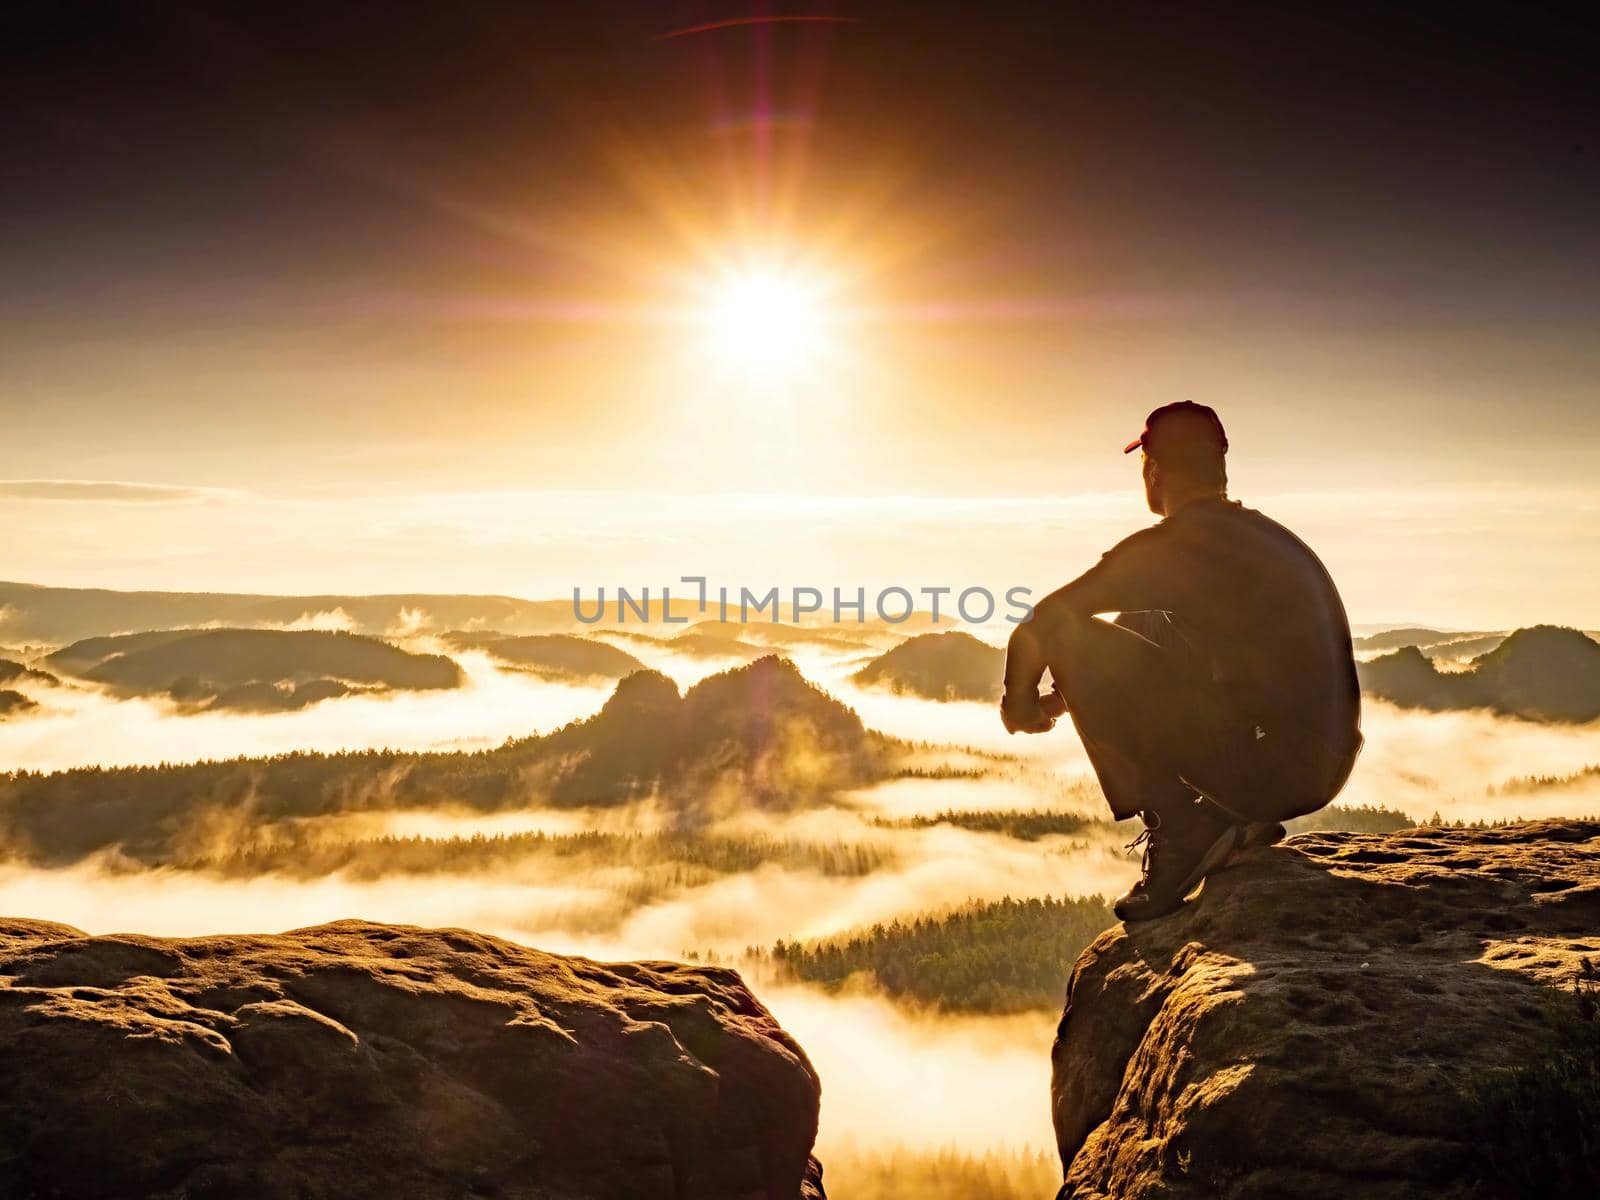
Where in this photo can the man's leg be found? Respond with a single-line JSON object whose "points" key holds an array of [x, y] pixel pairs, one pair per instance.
{"points": [[1137, 703], [1142, 708], [1183, 725]]}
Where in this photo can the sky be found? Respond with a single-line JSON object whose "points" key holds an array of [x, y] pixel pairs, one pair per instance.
{"points": [[508, 297]]}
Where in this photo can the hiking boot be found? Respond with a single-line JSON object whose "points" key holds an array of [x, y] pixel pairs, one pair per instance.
{"points": [[1181, 847]]}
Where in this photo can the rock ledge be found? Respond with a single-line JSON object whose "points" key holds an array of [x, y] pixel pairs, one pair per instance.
{"points": [[1304, 1028], [357, 1060]]}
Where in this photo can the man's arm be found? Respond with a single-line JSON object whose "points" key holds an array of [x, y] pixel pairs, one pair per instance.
{"points": [[1022, 709], [1114, 584]]}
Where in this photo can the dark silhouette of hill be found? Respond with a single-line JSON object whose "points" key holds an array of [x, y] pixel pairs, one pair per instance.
{"points": [[1433, 643], [552, 655], [251, 668], [761, 729], [756, 736], [1418, 636], [1544, 673], [1408, 677], [12, 703], [84, 656], [939, 666], [15, 672]]}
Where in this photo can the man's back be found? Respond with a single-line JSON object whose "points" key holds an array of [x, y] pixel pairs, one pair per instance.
{"points": [[1257, 604]]}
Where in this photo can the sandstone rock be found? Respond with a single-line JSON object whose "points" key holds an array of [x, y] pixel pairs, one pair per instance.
{"points": [[1306, 1026], [363, 1060]]}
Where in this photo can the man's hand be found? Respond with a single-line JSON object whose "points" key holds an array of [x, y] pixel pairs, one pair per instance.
{"points": [[1025, 711]]}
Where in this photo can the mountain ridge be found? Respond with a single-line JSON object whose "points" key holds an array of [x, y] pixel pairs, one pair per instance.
{"points": [[1541, 673]]}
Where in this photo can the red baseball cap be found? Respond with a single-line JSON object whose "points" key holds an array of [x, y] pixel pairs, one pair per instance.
{"points": [[1183, 424]]}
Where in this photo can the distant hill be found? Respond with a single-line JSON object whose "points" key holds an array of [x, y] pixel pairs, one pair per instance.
{"points": [[698, 643], [761, 730], [1544, 673], [250, 669], [939, 666], [12, 703], [59, 615], [553, 655], [15, 672], [1461, 649], [1433, 643], [84, 656], [1407, 677], [1000, 957], [846, 636], [31, 613], [756, 736]]}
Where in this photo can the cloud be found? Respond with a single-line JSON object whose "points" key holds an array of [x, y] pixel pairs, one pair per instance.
{"points": [[104, 491], [81, 725], [894, 1078], [332, 620]]}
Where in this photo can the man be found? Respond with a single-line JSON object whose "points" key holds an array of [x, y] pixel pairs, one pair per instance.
{"points": [[1224, 698]]}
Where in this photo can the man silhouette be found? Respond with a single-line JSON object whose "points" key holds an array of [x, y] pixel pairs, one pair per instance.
{"points": [[1224, 698]]}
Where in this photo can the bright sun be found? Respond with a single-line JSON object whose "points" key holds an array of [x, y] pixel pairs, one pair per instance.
{"points": [[765, 319]]}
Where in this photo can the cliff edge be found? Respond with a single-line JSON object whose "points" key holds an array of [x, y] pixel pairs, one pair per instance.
{"points": [[1311, 1025], [364, 1060]]}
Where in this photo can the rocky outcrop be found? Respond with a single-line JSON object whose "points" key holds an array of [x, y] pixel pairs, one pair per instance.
{"points": [[362, 1060], [1307, 1026]]}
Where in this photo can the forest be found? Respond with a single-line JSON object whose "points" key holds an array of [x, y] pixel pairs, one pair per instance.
{"points": [[1002, 957]]}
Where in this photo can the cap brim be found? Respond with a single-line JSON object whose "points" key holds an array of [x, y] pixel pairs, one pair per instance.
{"points": [[1136, 444]]}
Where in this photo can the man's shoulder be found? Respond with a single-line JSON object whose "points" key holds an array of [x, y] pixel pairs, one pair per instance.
{"points": [[1141, 539], [1224, 514], [1235, 529]]}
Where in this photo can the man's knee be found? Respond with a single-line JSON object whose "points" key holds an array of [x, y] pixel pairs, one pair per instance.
{"points": [[1065, 642]]}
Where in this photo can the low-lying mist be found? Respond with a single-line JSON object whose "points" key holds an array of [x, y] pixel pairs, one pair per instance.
{"points": [[613, 888], [897, 1080], [967, 815], [79, 725]]}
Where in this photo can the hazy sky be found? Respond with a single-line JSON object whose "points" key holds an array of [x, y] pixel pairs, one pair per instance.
{"points": [[436, 296]]}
